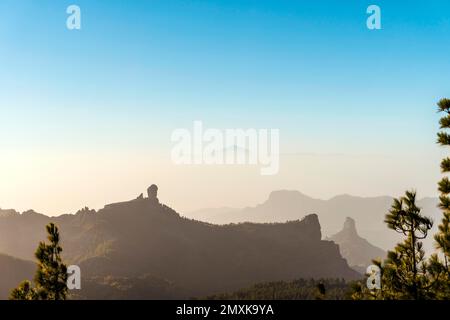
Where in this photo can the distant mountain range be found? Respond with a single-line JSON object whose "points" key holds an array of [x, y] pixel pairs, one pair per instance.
{"points": [[144, 249], [286, 205]]}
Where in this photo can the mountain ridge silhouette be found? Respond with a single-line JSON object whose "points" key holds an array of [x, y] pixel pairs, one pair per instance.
{"points": [[127, 240], [285, 205]]}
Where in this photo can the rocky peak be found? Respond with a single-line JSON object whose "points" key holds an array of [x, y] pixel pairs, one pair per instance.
{"points": [[350, 227], [152, 193], [358, 252], [312, 226]]}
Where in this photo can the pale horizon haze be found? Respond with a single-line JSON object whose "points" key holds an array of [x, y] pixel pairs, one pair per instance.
{"points": [[87, 115]]}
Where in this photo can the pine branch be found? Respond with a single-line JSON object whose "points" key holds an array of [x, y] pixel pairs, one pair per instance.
{"points": [[445, 165], [444, 186], [444, 105], [443, 139]]}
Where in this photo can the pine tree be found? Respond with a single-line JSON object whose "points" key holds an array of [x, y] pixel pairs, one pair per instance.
{"points": [[24, 291], [406, 265], [405, 273], [51, 275], [442, 238]]}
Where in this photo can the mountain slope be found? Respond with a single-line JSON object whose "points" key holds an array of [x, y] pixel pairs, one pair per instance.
{"points": [[13, 271]]}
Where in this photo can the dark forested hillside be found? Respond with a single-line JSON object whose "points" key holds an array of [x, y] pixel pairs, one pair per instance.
{"points": [[323, 289]]}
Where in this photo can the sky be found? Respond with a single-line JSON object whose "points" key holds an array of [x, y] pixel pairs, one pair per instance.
{"points": [[87, 115]]}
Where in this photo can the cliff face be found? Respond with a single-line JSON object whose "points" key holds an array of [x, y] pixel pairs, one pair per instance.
{"points": [[143, 237]]}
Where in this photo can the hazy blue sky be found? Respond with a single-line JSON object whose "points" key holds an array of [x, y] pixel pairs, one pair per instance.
{"points": [[88, 114]]}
